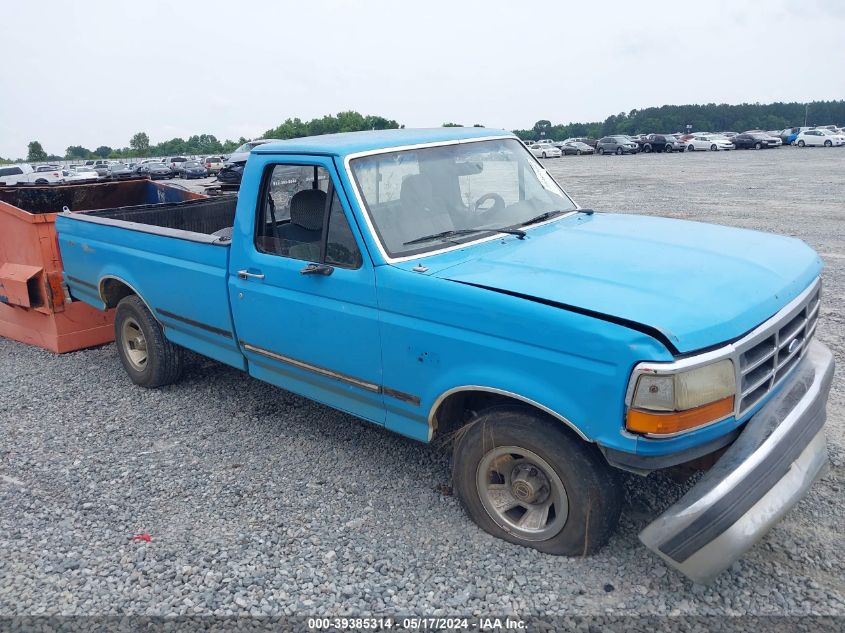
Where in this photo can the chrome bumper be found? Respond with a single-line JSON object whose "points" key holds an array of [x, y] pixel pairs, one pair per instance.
{"points": [[771, 465]]}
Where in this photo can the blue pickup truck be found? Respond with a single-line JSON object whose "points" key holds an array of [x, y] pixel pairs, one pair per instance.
{"points": [[442, 284]]}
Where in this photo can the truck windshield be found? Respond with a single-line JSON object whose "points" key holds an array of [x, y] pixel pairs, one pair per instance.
{"points": [[464, 192]]}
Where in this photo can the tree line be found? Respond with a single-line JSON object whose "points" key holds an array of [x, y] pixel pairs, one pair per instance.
{"points": [[208, 144], [667, 119], [713, 117]]}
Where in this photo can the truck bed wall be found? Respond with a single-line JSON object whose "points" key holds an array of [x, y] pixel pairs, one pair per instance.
{"points": [[197, 216]]}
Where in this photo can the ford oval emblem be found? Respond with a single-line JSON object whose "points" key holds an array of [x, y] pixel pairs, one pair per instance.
{"points": [[793, 345]]}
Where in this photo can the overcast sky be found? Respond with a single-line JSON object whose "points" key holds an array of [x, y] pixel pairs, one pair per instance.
{"points": [[95, 72]]}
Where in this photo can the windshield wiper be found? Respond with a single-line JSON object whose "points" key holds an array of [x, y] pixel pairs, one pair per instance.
{"points": [[548, 215], [447, 234]]}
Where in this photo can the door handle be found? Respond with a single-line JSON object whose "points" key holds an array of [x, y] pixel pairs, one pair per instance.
{"points": [[317, 269], [245, 274]]}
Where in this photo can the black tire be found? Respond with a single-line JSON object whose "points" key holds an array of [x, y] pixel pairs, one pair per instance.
{"points": [[41, 181], [828, 144], [801, 143], [647, 148], [691, 148], [619, 151], [758, 146], [601, 151], [544, 155], [577, 152], [667, 148], [593, 490], [164, 360], [713, 148]]}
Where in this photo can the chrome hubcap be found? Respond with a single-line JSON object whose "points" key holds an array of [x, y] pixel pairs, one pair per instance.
{"points": [[522, 493], [134, 344]]}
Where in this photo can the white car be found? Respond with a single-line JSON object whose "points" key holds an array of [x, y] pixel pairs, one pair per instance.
{"points": [[545, 150], [820, 137], [25, 174], [80, 174], [708, 142]]}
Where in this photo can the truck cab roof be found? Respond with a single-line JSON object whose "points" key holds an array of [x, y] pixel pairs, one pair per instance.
{"points": [[347, 143]]}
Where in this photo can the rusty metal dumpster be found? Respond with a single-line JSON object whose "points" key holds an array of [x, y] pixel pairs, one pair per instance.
{"points": [[35, 306]]}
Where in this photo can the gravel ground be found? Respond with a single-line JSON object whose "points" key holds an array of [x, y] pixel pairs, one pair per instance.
{"points": [[261, 502]]}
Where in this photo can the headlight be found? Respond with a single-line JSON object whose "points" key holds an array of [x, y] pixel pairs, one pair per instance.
{"points": [[665, 404]]}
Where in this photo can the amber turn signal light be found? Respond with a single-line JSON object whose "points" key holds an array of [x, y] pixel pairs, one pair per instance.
{"points": [[676, 421]]}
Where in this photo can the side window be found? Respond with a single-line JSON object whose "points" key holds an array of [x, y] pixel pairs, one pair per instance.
{"points": [[341, 249], [291, 218]]}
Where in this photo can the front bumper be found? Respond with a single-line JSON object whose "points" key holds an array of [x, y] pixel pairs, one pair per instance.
{"points": [[771, 465]]}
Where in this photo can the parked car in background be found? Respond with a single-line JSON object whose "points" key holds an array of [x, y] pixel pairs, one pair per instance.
{"points": [[618, 144], [102, 170], [174, 161], [80, 175], [191, 169], [231, 174], [119, 171], [545, 150], [820, 138], [728, 134], [708, 142], [25, 174], [582, 139], [213, 164], [156, 171], [242, 153], [578, 147], [657, 143], [754, 141]]}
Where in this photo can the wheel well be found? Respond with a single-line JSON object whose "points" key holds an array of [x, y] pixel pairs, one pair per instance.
{"points": [[113, 290], [460, 408]]}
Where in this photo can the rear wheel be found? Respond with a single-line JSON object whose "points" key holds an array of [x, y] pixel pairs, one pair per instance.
{"points": [[758, 146], [577, 152], [601, 150], [530, 481], [667, 148], [691, 148], [147, 356]]}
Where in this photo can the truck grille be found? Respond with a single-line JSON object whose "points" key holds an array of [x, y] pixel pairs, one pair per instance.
{"points": [[767, 356]]}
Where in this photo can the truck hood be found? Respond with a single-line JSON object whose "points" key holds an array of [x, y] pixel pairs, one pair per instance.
{"points": [[693, 285]]}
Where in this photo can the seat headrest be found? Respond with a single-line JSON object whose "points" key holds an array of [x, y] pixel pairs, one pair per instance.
{"points": [[307, 208], [417, 190]]}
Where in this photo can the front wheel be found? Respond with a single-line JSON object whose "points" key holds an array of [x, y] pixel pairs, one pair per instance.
{"points": [[801, 143], [577, 152], [619, 151], [758, 146], [667, 149], [601, 151], [828, 144], [147, 356], [713, 148], [528, 480], [544, 155], [647, 149], [691, 148]]}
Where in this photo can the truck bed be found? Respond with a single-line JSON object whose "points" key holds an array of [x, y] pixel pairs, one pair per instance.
{"points": [[175, 256]]}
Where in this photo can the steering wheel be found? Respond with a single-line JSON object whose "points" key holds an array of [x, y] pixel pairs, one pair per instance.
{"points": [[498, 203]]}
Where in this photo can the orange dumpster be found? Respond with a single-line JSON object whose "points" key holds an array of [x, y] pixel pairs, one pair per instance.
{"points": [[35, 306]]}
